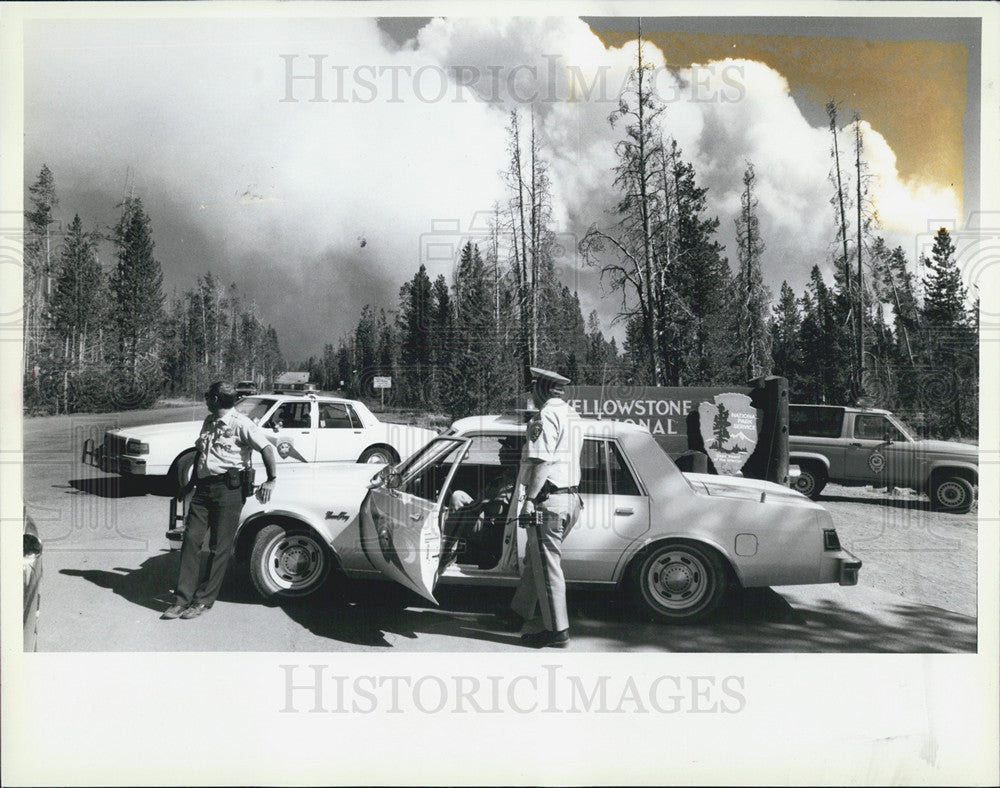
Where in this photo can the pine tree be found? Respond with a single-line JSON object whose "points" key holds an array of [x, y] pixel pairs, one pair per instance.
{"points": [[701, 282], [635, 271], [137, 290], [443, 337], [38, 263], [415, 327], [480, 379], [366, 346], [786, 323], [751, 294], [76, 299], [952, 353], [825, 338], [944, 293]]}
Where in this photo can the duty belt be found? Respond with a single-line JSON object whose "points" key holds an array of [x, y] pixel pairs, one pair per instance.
{"points": [[220, 477], [211, 479], [548, 490]]}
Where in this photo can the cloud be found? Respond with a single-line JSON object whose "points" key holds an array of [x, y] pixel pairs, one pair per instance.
{"points": [[244, 174]]}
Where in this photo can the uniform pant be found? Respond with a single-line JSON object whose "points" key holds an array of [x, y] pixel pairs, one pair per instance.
{"points": [[215, 508], [542, 587]]}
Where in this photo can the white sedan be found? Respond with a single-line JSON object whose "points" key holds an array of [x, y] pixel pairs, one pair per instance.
{"points": [[305, 429], [673, 540]]}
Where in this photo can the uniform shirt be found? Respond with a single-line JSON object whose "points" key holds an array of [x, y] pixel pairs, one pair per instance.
{"points": [[555, 436], [227, 441]]}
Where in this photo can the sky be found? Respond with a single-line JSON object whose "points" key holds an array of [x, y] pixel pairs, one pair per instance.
{"points": [[319, 195]]}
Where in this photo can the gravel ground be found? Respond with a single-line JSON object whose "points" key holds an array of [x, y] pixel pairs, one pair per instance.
{"points": [[908, 550]]}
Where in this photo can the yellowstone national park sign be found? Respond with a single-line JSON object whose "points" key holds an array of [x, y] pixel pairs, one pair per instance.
{"points": [[672, 415], [729, 430]]}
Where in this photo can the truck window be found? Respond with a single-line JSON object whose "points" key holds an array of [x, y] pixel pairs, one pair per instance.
{"points": [[876, 428], [815, 421]]}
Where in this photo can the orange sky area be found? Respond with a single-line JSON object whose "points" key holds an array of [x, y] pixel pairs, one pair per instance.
{"points": [[912, 92]]}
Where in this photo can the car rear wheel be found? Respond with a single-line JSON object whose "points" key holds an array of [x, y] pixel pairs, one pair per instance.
{"points": [[952, 494], [379, 455], [678, 581], [810, 482], [288, 562]]}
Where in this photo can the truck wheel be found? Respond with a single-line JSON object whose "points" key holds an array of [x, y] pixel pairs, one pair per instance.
{"points": [[811, 481], [952, 494], [678, 582], [379, 455], [288, 562]]}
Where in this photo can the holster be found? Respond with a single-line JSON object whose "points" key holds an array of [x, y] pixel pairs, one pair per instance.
{"points": [[246, 481], [545, 492]]}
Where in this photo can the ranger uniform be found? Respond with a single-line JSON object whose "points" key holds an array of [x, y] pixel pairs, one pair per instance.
{"points": [[225, 446], [550, 472]]}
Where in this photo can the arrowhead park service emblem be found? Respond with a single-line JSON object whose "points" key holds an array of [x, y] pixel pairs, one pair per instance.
{"points": [[729, 429]]}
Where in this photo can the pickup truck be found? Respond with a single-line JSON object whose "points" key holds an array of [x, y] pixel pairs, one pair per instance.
{"points": [[869, 446]]}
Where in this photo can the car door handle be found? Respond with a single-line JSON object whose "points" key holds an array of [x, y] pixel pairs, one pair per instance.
{"points": [[416, 517], [856, 445], [624, 512], [305, 432]]}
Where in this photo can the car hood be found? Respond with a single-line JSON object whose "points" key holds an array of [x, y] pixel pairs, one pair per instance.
{"points": [[947, 447], [741, 487], [185, 428]]}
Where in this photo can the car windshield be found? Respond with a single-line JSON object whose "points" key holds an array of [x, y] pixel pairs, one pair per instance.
{"points": [[255, 407], [421, 456]]}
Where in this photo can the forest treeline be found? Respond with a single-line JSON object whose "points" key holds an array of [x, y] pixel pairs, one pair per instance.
{"points": [[885, 330]]}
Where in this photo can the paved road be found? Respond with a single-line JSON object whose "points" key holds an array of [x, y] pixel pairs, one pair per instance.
{"points": [[108, 572]]}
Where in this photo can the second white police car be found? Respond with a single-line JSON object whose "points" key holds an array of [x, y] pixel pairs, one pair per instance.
{"points": [[304, 428]]}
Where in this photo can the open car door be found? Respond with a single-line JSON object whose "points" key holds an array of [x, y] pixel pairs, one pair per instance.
{"points": [[401, 516]]}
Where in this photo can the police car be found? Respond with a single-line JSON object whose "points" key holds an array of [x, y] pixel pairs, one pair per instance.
{"points": [[305, 429], [674, 541]]}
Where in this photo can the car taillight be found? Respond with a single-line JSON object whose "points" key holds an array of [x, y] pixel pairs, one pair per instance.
{"points": [[830, 539], [133, 446]]}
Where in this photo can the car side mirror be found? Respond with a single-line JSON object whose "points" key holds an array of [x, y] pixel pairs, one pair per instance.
{"points": [[388, 477], [276, 425]]}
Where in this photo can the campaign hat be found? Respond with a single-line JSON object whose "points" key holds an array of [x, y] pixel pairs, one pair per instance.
{"points": [[548, 376]]}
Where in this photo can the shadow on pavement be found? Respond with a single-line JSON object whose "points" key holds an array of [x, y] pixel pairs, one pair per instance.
{"points": [[151, 584], [379, 614], [752, 620], [148, 585], [115, 486]]}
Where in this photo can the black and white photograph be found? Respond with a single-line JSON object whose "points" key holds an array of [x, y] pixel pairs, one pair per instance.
{"points": [[623, 373]]}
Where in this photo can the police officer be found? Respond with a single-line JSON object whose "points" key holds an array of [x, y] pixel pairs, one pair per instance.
{"points": [[550, 473], [224, 447]]}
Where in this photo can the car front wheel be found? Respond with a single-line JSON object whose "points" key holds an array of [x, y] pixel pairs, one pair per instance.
{"points": [[952, 494], [678, 581], [288, 562], [810, 481]]}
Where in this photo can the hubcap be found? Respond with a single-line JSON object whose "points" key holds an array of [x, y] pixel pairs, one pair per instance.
{"points": [[951, 494], [805, 483], [295, 562], [378, 459], [677, 579]]}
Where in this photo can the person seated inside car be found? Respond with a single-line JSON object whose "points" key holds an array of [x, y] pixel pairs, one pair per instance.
{"points": [[473, 532]]}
